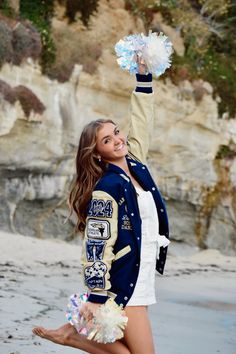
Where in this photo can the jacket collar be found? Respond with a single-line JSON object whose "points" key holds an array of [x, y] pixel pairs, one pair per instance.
{"points": [[116, 169]]}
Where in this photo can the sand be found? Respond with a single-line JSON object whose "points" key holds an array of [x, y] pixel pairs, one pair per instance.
{"points": [[195, 312]]}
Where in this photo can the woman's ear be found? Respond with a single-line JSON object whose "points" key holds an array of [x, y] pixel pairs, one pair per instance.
{"points": [[98, 157]]}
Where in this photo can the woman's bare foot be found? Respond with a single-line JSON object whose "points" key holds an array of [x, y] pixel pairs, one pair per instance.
{"points": [[59, 336]]}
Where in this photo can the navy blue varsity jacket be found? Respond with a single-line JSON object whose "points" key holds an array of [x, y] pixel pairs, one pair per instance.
{"points": [[112, 240]]}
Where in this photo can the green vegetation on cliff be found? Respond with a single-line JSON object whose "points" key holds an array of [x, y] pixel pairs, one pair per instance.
{"points": [[40, 13]]}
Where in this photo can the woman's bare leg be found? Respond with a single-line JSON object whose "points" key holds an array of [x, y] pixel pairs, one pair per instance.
{"points": [[68, 336], [138, 334], [137, 339]]}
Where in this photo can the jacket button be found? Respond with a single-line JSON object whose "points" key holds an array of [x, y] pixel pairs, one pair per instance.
{"points": [[138, 238], [162, 210], [132, 214], [125, 298], [125, 190], [122, 305], [137, 265], [143, 168], [153, 188], [131, 285]]}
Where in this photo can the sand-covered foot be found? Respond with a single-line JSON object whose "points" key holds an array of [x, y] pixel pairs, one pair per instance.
{"points": [[58, 336]]}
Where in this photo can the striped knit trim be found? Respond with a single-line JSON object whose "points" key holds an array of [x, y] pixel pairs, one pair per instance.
{"points": [[101, 299], [144, 83], [144, 78], [100, 293], [144, 89]]}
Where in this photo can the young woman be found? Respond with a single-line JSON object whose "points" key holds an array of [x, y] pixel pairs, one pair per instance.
{"points": [[122, 214]]}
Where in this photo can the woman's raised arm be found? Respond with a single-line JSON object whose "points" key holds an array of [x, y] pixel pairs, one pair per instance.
{"points": [[141, 118]]}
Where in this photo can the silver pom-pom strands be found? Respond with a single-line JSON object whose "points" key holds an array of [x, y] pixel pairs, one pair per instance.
{"points": [[106, 325], [155, 50], [109, 323]]}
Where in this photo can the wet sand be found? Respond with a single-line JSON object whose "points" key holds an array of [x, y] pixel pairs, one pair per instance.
{"points": [[195, 312]]}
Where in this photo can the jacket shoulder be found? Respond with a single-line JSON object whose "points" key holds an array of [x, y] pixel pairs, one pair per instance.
{"points": [[110, 183]]}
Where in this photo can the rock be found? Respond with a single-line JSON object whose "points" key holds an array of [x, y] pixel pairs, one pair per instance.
{"points": [[117, 4]]}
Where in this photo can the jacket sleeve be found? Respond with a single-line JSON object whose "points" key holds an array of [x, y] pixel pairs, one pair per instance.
{"points": [[99, 239], [141, 118]]}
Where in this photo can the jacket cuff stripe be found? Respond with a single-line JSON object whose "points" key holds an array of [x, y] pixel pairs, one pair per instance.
{"points": [[100, 299]]}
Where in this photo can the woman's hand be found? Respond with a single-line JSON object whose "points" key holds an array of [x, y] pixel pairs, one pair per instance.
{"points": [[88, 311], [142, 67]]}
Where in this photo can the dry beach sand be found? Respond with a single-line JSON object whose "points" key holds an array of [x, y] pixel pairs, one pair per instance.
{"points": [[195, 313]]}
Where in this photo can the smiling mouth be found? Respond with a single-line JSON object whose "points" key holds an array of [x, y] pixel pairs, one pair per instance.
{"points": [[120, 147]]}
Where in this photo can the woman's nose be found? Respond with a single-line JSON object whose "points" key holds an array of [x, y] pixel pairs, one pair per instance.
{"points": [[117, 140]]}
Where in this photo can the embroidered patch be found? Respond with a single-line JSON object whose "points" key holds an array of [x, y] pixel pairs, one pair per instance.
{"points": [[95, 250], [121, 201], [95, 275], [101, 208], [126, 224], [99, 229]]}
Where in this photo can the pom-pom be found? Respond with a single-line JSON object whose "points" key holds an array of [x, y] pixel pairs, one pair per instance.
{"points": [[76, 301], [106, 325], [109, 323], [155, 50]]}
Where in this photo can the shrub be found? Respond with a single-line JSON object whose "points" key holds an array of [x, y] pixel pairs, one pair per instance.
{"points": [[7, 92], [7, 10], [40, 13], [80, 49], [26, 42], [28, 100], [6, 49], [226, 151], [86, 9]]}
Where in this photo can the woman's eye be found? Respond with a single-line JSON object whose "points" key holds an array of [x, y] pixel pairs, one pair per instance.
{"points": [[117, 131], [106, 141]]}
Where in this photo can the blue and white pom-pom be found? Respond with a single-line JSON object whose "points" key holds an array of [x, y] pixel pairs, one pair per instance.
{"points": [[155, 50]]}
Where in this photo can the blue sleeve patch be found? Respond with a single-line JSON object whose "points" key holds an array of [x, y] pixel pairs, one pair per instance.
{"points": [[95, 275], [95, 250], [101, 208]]}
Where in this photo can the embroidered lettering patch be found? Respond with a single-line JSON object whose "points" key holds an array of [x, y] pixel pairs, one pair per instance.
{"points": [[95, 250], [121, 201], [126, 224], [95, 275], [101, 208], [99, 229]]}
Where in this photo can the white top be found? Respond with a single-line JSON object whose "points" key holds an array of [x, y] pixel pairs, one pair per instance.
{"points": [[144, 292]]}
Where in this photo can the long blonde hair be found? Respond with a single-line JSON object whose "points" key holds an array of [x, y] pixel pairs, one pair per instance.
{"points": [[89, 169]]}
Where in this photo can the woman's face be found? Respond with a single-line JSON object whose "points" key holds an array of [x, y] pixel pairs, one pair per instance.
{"points": [[111, 143]]}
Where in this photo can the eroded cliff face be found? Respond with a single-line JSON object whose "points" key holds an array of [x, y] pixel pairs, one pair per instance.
{"points": [[197, 180]]}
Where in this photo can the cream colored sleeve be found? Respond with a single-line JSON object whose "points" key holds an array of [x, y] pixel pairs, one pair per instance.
{"points": [[99, 239], [141, 124]]}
